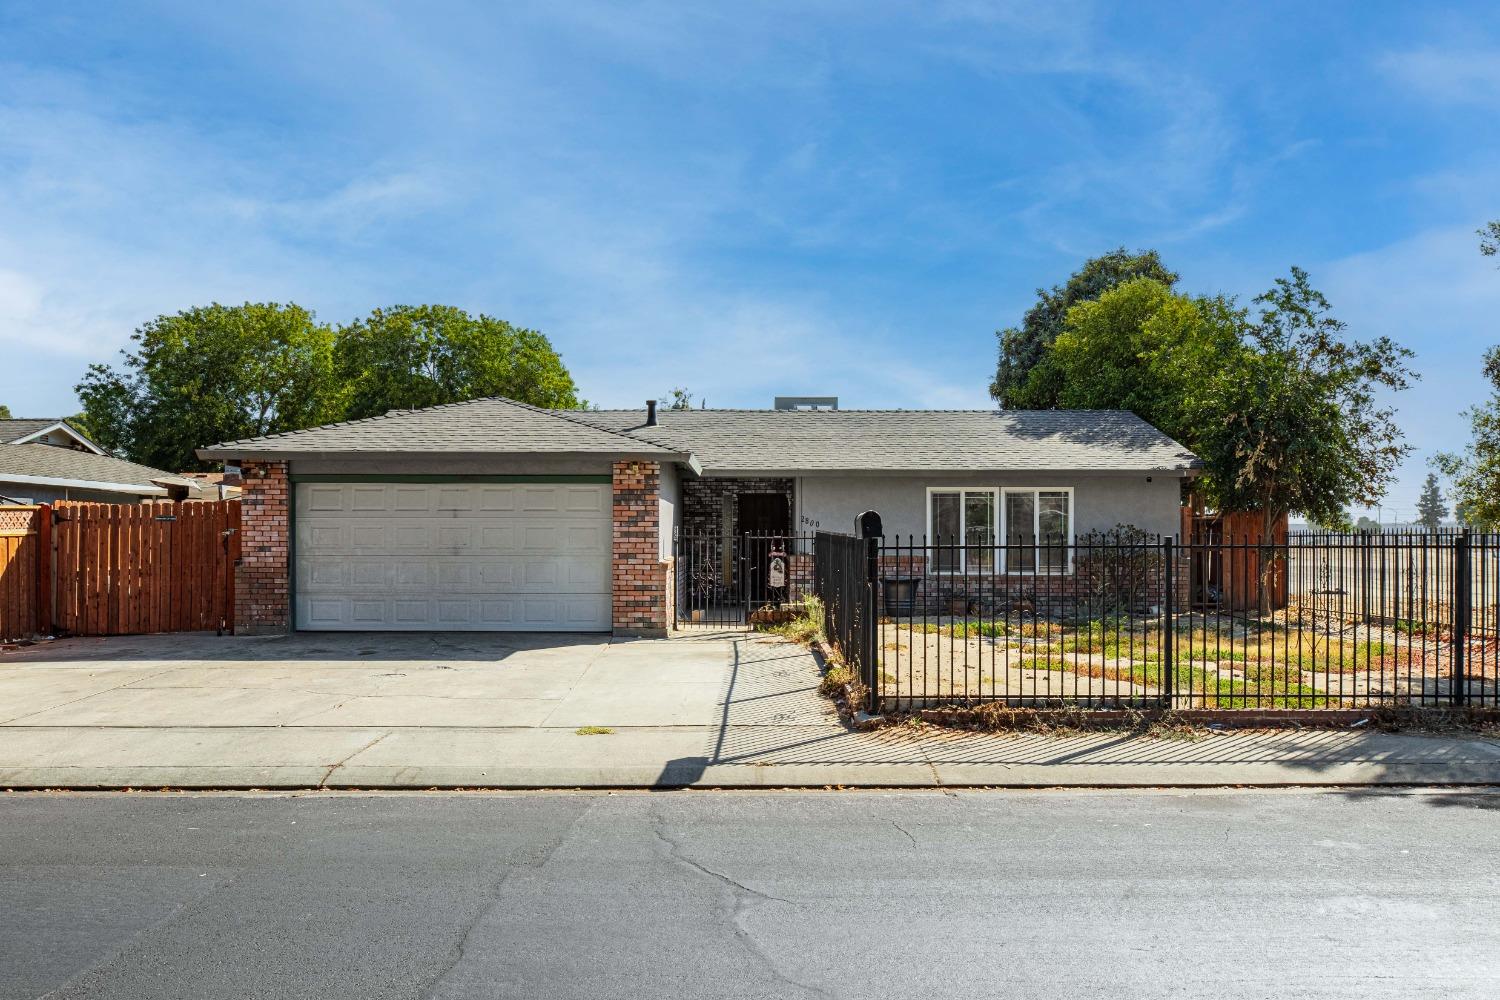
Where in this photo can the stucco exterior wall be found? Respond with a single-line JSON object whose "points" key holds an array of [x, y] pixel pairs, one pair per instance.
{"points": [[668, 505], [829, 503]]}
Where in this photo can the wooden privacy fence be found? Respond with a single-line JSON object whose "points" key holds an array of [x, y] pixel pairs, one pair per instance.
{"points": [[127, 569], [20, 581]]}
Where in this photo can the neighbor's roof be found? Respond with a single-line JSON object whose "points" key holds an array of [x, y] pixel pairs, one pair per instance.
{"points": [[45, 465], [17, 429], [491, 426], [745, 441]]}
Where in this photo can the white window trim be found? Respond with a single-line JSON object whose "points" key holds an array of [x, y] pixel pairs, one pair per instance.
{"points": [[997, 494]]}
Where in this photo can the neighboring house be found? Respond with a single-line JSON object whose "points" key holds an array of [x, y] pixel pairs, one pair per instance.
{"points": [[492, 514], [42, 460], [46, 430]]}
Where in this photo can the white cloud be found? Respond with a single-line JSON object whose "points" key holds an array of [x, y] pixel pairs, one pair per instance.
{"points": [[1447, 75]]}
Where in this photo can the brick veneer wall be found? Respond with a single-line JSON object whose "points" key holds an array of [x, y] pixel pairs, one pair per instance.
{"points": [[262, 581], [997, 592], [640, 577], [703, 501]]}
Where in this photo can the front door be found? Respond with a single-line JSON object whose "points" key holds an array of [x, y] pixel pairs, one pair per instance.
{"points": [[764, 514], [765, 519]]}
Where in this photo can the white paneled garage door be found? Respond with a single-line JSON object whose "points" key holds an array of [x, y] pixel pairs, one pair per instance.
{"points": [[447, 556]]}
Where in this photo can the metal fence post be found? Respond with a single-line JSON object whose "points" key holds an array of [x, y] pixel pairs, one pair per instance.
{"points": [[1458, 682], [1168, 623], [871, 625]]}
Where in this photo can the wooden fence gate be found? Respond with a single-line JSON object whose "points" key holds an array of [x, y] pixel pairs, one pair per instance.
{"points": [[126, 569], [20, 567]]}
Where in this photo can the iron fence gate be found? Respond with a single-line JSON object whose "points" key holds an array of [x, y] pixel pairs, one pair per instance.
{"points": [[723, 579]]}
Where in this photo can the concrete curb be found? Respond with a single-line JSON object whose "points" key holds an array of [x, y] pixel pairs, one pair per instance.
{"points": [[761, 776]]}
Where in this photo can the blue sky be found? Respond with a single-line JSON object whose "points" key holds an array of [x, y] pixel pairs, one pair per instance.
{"points": [[744, 199]]}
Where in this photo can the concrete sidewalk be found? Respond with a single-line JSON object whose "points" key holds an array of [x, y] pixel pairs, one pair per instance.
{"points": [[725, 710]]}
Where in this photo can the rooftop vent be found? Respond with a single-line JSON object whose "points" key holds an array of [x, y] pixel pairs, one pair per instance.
{"points": [[807, 402]]}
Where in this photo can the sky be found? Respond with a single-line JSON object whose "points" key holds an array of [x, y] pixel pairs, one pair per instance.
{"points": [[746, 199]]}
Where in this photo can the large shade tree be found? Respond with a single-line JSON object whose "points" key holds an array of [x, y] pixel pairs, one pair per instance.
{"points": [[208, 374], [1140, 347], [1023, 380], [413, 356], [1297, 424], [1284, 408]]}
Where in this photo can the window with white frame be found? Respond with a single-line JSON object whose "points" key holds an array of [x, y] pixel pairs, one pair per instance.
{"points": [[1033, 527]]}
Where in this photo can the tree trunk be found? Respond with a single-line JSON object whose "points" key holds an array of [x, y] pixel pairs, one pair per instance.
{"points": [[1265, 599]]}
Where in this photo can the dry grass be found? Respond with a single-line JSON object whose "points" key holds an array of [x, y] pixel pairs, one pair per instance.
{"points": [[805, 625]]}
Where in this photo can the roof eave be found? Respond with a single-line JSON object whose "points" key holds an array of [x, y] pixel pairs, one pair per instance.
{"points": [[219, 453], [1181, 472], [139, 489]]}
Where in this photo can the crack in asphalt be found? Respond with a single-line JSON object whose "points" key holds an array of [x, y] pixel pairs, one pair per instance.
{"points": [[743, 898], [905, 831], [496, 892]]}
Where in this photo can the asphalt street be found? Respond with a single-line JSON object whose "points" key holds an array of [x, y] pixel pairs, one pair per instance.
{"points": [[1230, 893]]}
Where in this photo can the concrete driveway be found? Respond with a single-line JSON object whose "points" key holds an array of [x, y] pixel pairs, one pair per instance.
{"points": [[709, 709]]}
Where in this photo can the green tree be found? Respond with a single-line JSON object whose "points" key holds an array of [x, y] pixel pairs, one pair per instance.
{"points": [[1294, 423], [1023, 381], [1367, 524], [1142, 347], [679, 399], [1475, 472], [4, 412], [1489, 238], [1430, 506], [408, 357], [211, 373]]}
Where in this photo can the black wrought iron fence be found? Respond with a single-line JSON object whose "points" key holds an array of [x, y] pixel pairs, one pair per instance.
{"points": [[844, 570], [723, 579], [1115, 619]]}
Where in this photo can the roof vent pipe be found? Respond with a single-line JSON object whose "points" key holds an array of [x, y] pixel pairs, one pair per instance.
{"points": [[650, 413]]}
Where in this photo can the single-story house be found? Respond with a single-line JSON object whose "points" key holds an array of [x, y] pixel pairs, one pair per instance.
{"points": [[492, 514], [43, 460]]}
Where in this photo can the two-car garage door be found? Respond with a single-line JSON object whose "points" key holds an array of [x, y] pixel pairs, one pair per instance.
{"points": [[438, 556]]}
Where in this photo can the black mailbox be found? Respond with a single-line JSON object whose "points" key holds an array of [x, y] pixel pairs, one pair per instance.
{"points": [[867, 525]]}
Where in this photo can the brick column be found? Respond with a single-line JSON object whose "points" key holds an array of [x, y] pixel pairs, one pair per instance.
{"points": [[640, 577], [262, 581]]}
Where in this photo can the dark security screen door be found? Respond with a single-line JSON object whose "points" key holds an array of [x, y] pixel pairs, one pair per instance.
{"points": [[764, 520], [764, 514]]}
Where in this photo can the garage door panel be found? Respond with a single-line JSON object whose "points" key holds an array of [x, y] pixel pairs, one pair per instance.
{"points": [[497, 499], [454, 539], [417, 556], [366, 498], [367, 537], [586, 539]]}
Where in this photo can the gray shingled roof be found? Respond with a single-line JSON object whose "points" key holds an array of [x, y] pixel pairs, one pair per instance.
{"points": [[478, 426], [15, 428], [44, 461], [756, 440], [914, 440]]}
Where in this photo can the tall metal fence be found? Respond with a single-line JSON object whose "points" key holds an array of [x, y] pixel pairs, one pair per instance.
{"points": [[1311, 621], [724, 579], [844, 582]]}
